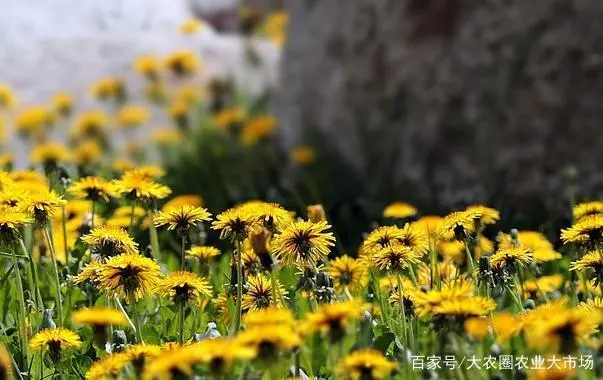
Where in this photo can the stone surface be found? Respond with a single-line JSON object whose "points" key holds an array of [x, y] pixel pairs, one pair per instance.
{"points": [[460, 101]]}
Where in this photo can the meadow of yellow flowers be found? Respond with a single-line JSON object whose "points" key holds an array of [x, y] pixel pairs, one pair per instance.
{"points": [[106, 273]]}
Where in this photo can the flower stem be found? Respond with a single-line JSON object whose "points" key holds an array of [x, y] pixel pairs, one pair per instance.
{"points": [[132, 216], [471, 265], [274, 286], [34, 271], [121, 307], [153, 236], [181, 323], [59, 302], [22, 311], [182, 250], [237, 318], [64, 226], [514, 296], [93, 212]]}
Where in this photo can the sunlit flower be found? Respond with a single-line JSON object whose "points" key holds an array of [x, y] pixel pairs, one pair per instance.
{"points": [[259, 293], [89, 273], [267, 343], [49, 154], [107, 241], [7, 161], [563, 330], [221, 353], [62, 103], [11, 221], [477, 327], [185, 287], [8, 98], [581, 210], [303, 155], [181, 200], [487, 215], [147, 66], [395, 257], [135, 186], [589, 230], [190, 26], [541, 248], [399, 210], [141, 354], [90, 125], [456, 300], [204, 253], [234, 223], [303, 242], [270, 316], [592, 261], [87, 153], [99, 317], [109, 88], [271, 215], [364, 364], [334, 319], [56, 341], [229, 118], [347, 272], [43, 205], [131, 116], [458, 225], [92, 188], [175, 363], [592, 305], [167, 136], [34, 121], [381, 238], [182, 219], [5, 360], [506, 325], [108, 367], [534, 288], [258, 128], [182, 62], [510, 257], [129, 276]]}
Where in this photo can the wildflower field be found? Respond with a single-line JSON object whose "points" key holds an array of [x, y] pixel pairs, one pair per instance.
{"points": [[181, 257]]}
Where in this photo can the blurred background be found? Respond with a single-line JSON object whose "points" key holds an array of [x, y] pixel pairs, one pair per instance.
{"points": [[353, 104]]}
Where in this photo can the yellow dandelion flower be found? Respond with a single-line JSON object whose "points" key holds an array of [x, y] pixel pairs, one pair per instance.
{"points": [[89, 272], [365, 363], [87, 153], [122, 165], [381, 238], [50, 154], [221, 353], [303, 242], [589, 229], [129, 276], [395, 257], [56, 341], [175, 363], [259, 293], [182, 62], [148, 66], [316, 213], [7, 160], [34, 122], [182, 219], [347, 272], [190, 26], [185, 287], [508, 257], [258, 128], [533, 288], [167, 136], [303, 155], [399, 210], [204, 253], [592, 260], [8, 99], [108, 88], [272, 215], [189, 95], [592, 305], [108, 367], [181, 200], [93, 189], [234, 223], [458, 224], [135, 186], [563, 330], [270, 316], [131, 116], [335, 318], [12, 220], [229, 118], [477, 327], [581, 210], [90, 125], [141, 354], [487, 215], [267, 343], [107, 241], [43, 205], [62, 103], [99, 316], [506, 325]]}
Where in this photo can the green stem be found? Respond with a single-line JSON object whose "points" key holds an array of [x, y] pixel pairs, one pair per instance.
{"points": [[237, 318], [137, 324], [59, 302], [274, 286], [22, 312], [471, 266], [153, 236], [377, 289], [181, 324], [132, 216], [34, 271], [93, 212], [182, 250], [121, 307], [514, 296], [64, 226]]}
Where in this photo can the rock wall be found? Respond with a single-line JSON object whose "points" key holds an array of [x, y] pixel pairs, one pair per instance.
{"points": [[464, 100]]}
